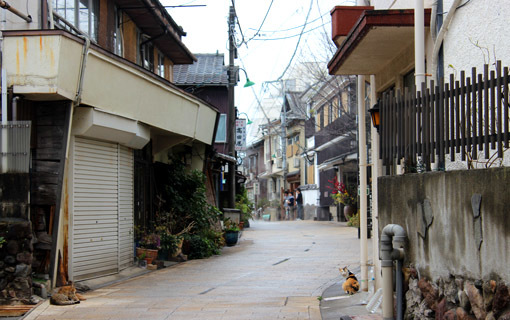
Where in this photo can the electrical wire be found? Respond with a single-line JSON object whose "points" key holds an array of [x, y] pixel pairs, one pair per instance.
{"points": [[263, 20], [293, 28], [292, 36], [297, 44]]}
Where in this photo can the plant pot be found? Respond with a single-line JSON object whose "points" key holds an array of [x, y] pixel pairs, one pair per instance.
{"points": [[150, 254], [349, 211], [231, 238], [241, 225]]}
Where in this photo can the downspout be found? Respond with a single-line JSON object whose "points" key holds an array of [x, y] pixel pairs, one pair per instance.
{"points": [[50, 10], [6, 6], [440, 36], [76, 102], [393, 238], [3, 84], [419, 43]]}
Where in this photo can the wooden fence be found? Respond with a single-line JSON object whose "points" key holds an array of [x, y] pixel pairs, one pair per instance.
{"points": [[450, 118]]}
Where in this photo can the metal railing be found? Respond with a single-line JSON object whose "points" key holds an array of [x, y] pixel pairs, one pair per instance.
{"points": [[459, 117], [15, 146]]}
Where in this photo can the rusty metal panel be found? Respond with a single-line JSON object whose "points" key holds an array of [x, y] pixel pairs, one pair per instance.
{"points": [[15, 146]]}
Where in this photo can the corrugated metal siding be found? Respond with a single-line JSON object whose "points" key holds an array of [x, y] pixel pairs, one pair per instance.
{"points": [[102, 214]]}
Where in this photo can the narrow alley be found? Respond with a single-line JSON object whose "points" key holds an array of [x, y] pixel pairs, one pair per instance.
{"points": [[277, 271]]}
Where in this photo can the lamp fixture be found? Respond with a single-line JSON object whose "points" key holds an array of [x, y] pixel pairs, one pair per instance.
{"points": [[375, 115], [248, 82], [248, 119]]}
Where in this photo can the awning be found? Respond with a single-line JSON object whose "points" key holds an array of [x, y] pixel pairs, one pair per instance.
{"points": [[374, 41]]}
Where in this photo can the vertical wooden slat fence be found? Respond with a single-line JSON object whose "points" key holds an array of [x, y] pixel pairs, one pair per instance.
{"points": [[463, 117]]}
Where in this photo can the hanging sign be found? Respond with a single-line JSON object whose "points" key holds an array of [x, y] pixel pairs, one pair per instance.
{"points": [[240, 135]]}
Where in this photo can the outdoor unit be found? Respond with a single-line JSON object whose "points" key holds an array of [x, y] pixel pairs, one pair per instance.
{"points": [[297, 162], [279, 153], [279, 163]]}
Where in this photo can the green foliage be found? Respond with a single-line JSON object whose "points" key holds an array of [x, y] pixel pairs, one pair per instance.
{"points": [[201, 245], [230, 226], [354, 220], [244, 204], [2, 241], [183, 211]]}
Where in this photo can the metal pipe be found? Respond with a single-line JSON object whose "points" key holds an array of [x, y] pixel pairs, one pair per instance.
{"points": [[419, 43], [15, 108], [6, 6], [362, 145], [441, 35], [393, 238], [400, 290], [50, 10]]}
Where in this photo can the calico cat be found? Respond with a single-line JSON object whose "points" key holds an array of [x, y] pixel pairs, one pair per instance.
{"points": [[351, 284], [66, 295]]}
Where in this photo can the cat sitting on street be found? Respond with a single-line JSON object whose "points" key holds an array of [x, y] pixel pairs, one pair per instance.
{"points": [[66, 295], [351, 284]]}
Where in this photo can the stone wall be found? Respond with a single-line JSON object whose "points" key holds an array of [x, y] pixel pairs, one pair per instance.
{"points": [[16, 262], [458, 237]]}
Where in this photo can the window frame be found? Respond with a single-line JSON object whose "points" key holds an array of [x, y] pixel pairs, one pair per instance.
{"points": [[222, 119]]}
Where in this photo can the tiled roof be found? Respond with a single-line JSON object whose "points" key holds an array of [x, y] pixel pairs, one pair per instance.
{"points": [[209, 69]]}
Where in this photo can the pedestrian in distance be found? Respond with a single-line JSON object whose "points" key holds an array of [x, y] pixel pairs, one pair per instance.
{"points": [[299, 204], [286, 205], [291, 206]]}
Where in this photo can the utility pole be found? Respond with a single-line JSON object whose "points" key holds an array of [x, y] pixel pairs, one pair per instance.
{"points": [[284, 139], [231, 110]]}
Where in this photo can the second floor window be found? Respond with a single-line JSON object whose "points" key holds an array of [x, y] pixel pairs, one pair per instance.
{"points": [[82, 14], [146, 52], [161, 65]]}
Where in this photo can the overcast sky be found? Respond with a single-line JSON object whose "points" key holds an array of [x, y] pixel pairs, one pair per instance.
{"points": [[265, 56]]}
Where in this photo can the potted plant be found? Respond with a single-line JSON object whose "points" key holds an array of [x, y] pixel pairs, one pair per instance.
{"points": [[345, 195], [231, 232], [149, 245]]}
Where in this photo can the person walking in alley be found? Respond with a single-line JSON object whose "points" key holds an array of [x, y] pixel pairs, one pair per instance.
{"points": [[286, 205], [299, 204], [291, 208]]}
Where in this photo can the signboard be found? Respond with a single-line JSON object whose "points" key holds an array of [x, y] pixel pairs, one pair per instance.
{"points": [[256, 188], [240, 135]]}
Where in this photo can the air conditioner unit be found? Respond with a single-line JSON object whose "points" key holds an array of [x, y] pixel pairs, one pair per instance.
{"points": [[279, 163], [279, 153], [297, 162]]}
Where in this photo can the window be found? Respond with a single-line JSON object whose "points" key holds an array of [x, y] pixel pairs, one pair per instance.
{"points": [[117, 35], [330, 112], [296, 138], [146, 54], [289, 141], [161, 65], [221, 131], [82, 14]]}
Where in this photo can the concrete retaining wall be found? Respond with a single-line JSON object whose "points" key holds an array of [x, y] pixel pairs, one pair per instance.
{"points": [[449, 232]]}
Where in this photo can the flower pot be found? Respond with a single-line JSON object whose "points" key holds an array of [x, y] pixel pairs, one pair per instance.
{"points": [[150, 254], [349, 211], [231, 238]]}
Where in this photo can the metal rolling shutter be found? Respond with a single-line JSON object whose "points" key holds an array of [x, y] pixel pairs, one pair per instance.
{"points": [[101, 212], [126, 202]]}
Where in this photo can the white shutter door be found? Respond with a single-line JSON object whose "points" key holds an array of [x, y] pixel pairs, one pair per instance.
{"points": [[95, 216], [126, 202]]}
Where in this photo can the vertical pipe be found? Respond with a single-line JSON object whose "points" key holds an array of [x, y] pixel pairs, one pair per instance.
{"points": [[387, 303], [376, 172], [362, 141], [231, 111], [400, 290], [419, 43]]}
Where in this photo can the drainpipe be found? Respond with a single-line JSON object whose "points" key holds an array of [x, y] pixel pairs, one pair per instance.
{"points": [[3, 84], [440, 36], [376, 172], [6, 6], [419, 43], [50, 10], [393, 238]]}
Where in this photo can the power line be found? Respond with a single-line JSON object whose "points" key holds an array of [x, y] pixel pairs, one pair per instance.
{"points": [[293, 28], [297, 44], [292, 36], [263, 20]]}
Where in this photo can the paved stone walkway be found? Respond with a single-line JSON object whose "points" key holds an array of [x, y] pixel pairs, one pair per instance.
{"points": [[277, 271]]}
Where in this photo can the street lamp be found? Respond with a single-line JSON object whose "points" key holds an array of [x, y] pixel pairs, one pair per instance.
{"points": [[375, 114], [248, 82], [248, 119]]}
